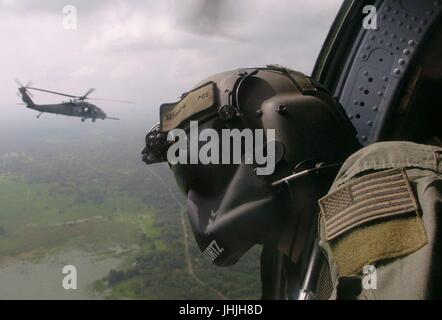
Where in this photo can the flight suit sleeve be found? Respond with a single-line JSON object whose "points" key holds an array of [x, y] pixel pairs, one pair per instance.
{"points": [[380, 223]]}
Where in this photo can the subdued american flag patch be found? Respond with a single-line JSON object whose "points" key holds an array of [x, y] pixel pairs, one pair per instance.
{"points": [[371, 197]]}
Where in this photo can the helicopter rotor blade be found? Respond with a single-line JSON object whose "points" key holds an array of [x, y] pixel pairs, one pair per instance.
{"points": [[54, 92], [87, 94], [111, 100], [85, 97], [109, 118]]}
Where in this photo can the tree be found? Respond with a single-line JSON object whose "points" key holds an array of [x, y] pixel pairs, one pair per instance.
{"points": [[115, 276]]}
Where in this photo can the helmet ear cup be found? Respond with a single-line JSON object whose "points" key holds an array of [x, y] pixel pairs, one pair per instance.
{"points": [[254, 91], [306, 127]]}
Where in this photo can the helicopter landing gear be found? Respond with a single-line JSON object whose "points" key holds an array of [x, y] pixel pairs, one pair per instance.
{"points": [[93, 120], [83, 119], [38, 117]]}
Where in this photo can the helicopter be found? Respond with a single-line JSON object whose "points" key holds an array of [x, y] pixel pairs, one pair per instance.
{"points": [[77, 106]]}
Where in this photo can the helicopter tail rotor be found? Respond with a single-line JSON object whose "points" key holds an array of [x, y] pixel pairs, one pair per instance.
{"points": [[23, 91], [29, 84]]}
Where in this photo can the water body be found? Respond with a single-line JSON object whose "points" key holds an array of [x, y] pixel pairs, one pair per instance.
{"points": [[43, 280]]}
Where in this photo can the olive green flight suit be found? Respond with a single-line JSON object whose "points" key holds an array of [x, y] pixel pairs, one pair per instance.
{"points": [[381, 223]]}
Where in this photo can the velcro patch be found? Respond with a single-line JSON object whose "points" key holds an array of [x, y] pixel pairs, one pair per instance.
{"points": [[372, 197], [379, 241]]}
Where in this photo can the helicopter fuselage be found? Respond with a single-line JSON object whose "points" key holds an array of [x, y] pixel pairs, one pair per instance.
{"points": [[83, 110]]}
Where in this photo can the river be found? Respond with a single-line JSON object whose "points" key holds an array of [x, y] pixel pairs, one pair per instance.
{"points": [[21, 279]]}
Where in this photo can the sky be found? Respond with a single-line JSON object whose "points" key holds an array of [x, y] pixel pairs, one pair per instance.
{"points": [[149, 51]]}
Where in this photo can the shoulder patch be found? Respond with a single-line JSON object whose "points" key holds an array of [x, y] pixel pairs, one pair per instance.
{"points": [[374, 196]]}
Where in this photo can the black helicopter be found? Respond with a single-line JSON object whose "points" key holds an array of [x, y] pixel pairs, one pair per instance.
{"points": [[75, 107]]}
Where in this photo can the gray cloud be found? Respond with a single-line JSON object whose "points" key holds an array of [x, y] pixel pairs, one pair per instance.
{"points": [[152, 51], [216, 18], [50, 6]]}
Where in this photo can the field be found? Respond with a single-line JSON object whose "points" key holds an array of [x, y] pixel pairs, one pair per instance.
{"points": [[36, 220], [79, 192]]}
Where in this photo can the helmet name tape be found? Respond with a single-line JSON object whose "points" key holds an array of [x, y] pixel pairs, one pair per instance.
{"points": [[213, 251], [198, 100]]}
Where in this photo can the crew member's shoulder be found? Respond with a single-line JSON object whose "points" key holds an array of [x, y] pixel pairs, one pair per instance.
{"points": [[389, 155], [373, 212]]}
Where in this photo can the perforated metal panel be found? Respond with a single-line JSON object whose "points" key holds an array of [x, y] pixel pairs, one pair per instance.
{"points": [[382, 59]]}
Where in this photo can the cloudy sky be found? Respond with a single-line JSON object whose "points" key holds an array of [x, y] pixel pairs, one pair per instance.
{"points": [[150, 51]]}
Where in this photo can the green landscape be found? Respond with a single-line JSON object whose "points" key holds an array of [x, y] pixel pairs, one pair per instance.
{"points": [[76, 191]]}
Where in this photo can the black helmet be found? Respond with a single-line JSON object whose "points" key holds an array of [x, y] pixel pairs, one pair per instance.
{"points": [[231, 207]]}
